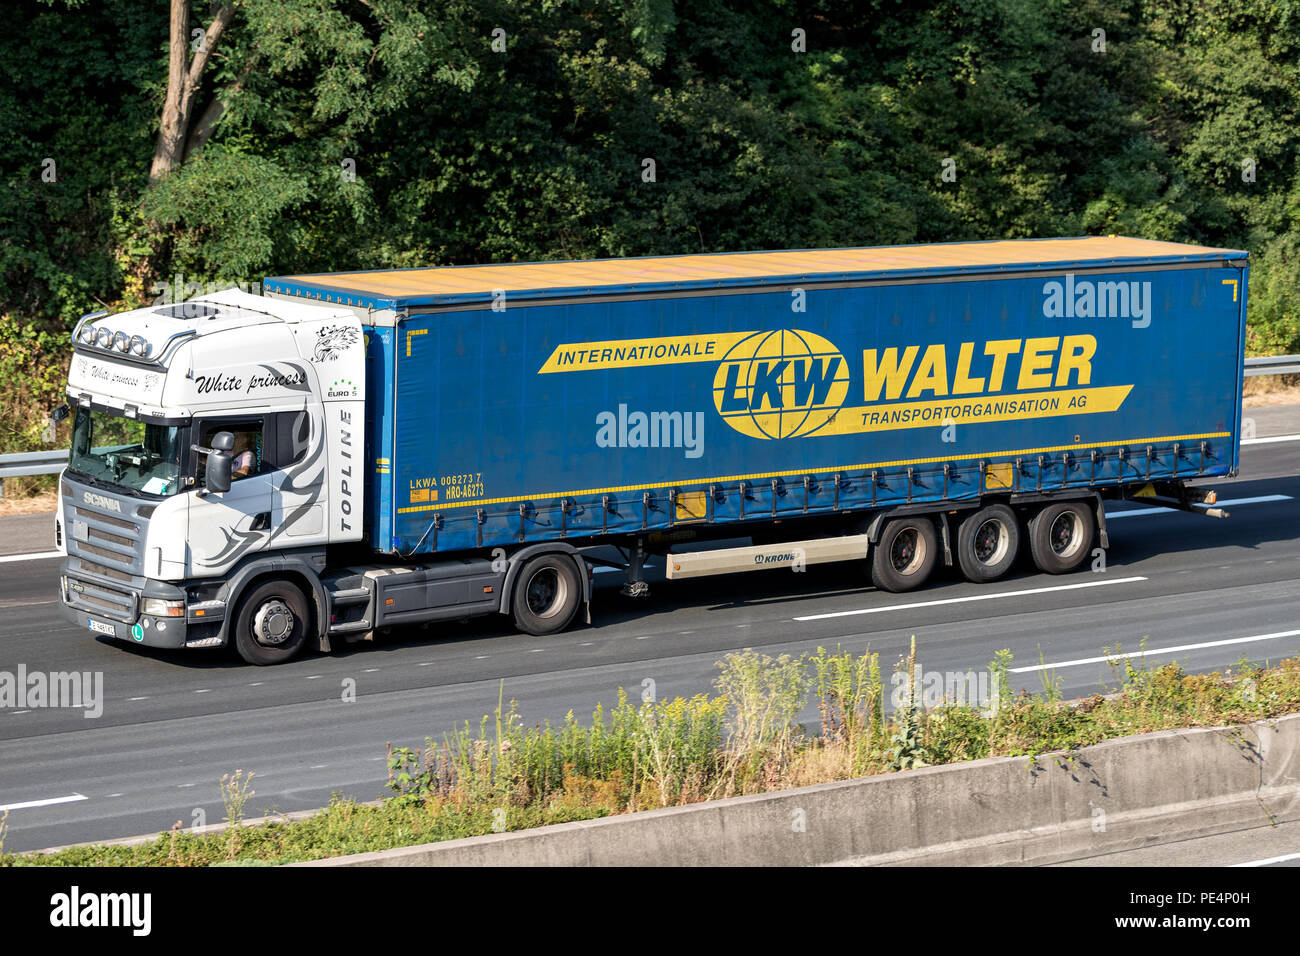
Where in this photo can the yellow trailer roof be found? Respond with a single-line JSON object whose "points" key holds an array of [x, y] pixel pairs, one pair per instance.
{"points": [[446, 284]]}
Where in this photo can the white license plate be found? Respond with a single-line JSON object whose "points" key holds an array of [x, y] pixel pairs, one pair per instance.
{"points": [[101, 627]]}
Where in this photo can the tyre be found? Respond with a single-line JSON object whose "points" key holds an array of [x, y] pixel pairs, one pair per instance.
{"points": [[271, 624], [546, 594], [1060, 536], [905, 555], [987, 543]]}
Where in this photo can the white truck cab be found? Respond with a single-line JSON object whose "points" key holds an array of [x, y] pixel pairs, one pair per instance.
{"points": [[153, 551]]}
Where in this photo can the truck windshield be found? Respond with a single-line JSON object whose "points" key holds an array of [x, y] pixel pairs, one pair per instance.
{"points": [[124, 451]]}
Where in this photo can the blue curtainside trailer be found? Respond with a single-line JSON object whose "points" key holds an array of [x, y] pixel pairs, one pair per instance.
{"points": [[553, 401]]}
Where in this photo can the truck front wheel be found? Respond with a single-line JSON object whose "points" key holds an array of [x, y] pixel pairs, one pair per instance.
{"points": [[546, 594], [271, 626], [905, 554], [1059, 536]]}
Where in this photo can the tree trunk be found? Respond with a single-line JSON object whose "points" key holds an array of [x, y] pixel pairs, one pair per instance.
{"points": [[183, 78], [207, 122]]}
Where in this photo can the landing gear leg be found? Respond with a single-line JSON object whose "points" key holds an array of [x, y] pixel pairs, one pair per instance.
{"points": [[635, 586]]}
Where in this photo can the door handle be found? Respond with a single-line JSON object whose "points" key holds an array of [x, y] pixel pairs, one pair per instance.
{"points": [[261, 522]]}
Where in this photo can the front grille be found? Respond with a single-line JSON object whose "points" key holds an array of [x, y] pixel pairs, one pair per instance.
{"points": [[98, 534], [103, 570], [103, 552], [106, 519]]}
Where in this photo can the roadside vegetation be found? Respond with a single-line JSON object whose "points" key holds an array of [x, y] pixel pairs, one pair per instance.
{"points": [[506, 775]]}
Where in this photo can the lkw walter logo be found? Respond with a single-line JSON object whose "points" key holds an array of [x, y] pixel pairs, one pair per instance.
{"points": [[780, 384]]}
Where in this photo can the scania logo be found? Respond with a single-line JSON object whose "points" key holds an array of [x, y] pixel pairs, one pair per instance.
{"points": [[99, 501], [780, 384]]}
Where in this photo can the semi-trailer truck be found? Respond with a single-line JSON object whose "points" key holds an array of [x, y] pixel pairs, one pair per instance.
{"points": [[350, 453]]}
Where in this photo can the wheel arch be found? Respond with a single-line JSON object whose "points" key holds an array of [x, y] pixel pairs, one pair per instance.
{"points": [[521, 557], [295, 569]]}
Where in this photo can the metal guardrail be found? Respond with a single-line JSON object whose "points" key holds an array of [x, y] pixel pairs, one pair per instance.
{"points": [[33, 463], [1274, 365]]}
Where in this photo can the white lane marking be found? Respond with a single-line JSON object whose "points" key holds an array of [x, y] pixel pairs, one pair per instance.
{"points": [[973, 597], [1270, 860], [205, 690], [1270, 440], [137, 698], [314, 677], [73, 798], [1230, 503], [17, 712], [36, 556], [1154, 651]]}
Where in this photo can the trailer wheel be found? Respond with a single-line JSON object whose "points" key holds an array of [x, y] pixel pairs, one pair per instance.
{"points": [[271, 624], [905, 555], [1059, 536], [987, 543], [546, 595]]}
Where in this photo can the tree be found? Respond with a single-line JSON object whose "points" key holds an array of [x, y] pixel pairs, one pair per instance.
{"points": [[184, 76]]}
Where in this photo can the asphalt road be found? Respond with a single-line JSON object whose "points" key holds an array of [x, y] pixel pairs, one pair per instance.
{"points": [[174, 723]]}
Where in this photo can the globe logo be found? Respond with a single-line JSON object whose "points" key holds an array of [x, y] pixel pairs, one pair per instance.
{"points": [[780, 384]]}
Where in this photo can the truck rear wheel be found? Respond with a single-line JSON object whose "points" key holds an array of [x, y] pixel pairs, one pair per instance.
{"points": [[905, 555], [987, 543], [546, 595], [271, 625], [1059, 536]]}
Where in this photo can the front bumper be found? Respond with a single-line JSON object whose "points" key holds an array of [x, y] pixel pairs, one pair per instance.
{"points": [[81, 604]]}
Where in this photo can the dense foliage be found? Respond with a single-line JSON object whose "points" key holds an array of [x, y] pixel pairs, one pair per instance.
{"points": [[352, 134]]}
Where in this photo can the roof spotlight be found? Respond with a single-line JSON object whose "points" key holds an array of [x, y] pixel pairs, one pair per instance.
{"points": [[121, 341], [104, 338]]}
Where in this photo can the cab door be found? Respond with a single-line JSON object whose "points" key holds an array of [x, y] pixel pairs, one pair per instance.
{"points": [[226, 526]]}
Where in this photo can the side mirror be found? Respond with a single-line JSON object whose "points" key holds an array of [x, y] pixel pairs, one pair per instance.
{"points": [[59, 413], [219, 461]]}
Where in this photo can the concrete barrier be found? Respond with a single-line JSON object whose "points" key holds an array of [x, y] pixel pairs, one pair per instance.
{"points": [[1116, 795]]}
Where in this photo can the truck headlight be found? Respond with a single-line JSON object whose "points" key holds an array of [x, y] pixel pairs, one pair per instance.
{"points": [[160, 608]]}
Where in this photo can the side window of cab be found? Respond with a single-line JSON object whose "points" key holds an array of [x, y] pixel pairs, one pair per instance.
{"points": [[248, 453]]}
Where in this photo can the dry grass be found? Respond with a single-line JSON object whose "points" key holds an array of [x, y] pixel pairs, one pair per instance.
{"points": [[43, 503], [1265, 390]]}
